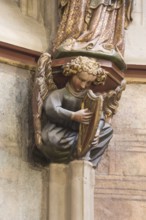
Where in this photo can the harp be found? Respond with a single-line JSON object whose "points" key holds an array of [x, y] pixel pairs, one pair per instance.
{"points": [[87, 132]]}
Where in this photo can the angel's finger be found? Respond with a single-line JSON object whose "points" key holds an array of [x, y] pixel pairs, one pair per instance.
{"points": [[85, 122], [86, 110], [87, 116], [88, 113]]}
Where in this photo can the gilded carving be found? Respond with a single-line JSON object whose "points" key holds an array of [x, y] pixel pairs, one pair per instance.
{"points": [[94, 28], [111, 100]]}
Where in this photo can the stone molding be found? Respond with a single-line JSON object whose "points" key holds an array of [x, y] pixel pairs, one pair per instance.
{"points": [[26, 58], [136, 73], [18, 56]]}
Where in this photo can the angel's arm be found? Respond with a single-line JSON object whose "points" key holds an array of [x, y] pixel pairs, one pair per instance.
{"points": [[57, 113], [53, 107]]}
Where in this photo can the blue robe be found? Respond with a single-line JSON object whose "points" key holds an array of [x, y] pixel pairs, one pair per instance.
{"points": [[60, 133]]}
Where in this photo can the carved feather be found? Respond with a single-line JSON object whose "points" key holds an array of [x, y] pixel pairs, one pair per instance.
{"points": [[43, 83]]}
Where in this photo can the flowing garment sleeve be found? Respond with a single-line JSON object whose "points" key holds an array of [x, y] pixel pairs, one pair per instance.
{"points": [[53, 107]]}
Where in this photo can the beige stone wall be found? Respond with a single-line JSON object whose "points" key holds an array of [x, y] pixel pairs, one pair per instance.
{"points": [[135, 52], [32, 8], [120, 191], [22, 187], [30, 24], [21, 30]]}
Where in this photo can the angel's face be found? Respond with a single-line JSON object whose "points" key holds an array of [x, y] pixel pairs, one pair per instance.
{"points": [[82, 81]]}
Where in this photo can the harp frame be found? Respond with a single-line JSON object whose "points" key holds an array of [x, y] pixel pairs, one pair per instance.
{"points": [[87, 131]]}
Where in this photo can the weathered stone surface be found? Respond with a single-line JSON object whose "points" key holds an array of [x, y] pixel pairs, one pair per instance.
{"points": [[123, 209], [121, 176], [16, 28], [135, 52], [21, 186], [14, 108]]}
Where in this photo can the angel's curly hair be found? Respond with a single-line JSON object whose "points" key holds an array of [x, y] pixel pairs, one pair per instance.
{"points": [[84, 64], [81, 64]]}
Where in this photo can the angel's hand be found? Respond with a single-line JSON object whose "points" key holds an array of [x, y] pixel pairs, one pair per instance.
{"points": [[96, 138], [83, 116], [38, 140]]}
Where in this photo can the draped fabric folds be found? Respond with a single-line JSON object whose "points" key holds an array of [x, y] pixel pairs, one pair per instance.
{"points": [[94, 25]]}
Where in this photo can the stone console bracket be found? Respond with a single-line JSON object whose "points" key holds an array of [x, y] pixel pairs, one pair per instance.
{"points": [[14, 54]]}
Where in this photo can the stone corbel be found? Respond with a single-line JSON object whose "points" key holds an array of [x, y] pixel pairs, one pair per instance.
{"points": [[102, 97]]}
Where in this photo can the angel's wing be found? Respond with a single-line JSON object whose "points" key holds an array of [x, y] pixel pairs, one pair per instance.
{"points": [[43, 83], [111, 101]]}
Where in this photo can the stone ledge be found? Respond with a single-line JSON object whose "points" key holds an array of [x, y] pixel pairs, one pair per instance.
{"points": [[18, 56], [27, 59], [136, 73]]}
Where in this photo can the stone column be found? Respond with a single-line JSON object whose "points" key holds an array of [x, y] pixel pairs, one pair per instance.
{"points": [[71, 191], [57, 202], [81, 183]]}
